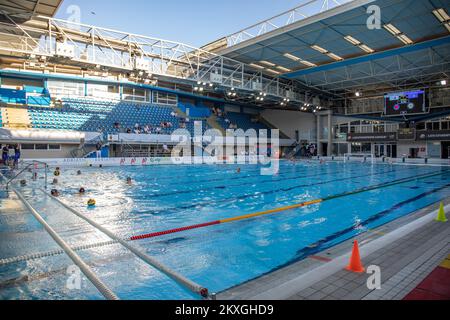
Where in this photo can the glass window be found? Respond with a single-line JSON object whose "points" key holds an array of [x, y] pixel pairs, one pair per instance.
{"points": [[429, 126], [54, 147], [356, 147], [435, 125], [366, 148], [444, 125], [27, 146], [41, 146], [420, 126]]}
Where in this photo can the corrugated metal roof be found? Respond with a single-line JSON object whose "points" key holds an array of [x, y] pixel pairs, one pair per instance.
{"points": [[413, 18]]}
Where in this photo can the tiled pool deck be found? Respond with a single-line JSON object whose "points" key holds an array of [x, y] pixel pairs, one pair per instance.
{"points": [[405, 261]]}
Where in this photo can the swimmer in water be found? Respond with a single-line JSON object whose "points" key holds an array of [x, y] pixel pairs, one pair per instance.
{"points": [[55, 181], [55, 193], [238, 170], [23, 183], [79, 173], [129, 181], [82, 191]]}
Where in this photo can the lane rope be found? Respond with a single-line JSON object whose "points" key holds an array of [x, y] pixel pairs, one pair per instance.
{"points": [[283, 209]]}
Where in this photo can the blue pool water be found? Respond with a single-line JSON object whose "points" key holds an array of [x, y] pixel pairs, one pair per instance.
{"points": [[217, 257]]}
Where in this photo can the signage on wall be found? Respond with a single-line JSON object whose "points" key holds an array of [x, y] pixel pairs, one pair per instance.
{"points": [[433, 135], [372, 137]]}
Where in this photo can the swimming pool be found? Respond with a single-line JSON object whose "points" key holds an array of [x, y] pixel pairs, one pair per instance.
{"points": [[218, 256]]}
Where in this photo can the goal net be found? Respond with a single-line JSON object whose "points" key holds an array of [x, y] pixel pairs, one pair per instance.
{"points": [[359, 157]]}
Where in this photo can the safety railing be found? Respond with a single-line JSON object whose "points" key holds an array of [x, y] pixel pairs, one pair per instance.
{"points": [[27, 166], [299, 13], [189, 284], [87, 271]]}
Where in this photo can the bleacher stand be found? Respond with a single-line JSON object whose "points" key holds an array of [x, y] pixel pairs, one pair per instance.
{"points": [[85, 114]]}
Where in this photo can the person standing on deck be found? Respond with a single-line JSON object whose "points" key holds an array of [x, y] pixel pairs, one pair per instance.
{"points": [[16, 155], [5, 154], [99, 150]]}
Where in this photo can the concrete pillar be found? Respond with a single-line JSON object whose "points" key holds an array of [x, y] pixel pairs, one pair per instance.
{"points": [[330, 134], [319, 133]]}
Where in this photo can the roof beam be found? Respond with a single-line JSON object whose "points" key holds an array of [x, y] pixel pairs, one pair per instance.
{"points": [[370, 57]]}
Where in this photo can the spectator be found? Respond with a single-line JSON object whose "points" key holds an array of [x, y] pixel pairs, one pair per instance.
{"points": [[5, 150], [99, 150], [16, 155], [11, 155]]}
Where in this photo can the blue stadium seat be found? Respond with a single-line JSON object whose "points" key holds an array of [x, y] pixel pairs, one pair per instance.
{"points": [[93, 115]]}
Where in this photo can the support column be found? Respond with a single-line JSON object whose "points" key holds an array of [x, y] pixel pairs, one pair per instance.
{"points": [[330, 134], [319, 133]]}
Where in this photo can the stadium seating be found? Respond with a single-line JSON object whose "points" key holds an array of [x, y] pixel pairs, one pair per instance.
{"points": [[94, 115]]}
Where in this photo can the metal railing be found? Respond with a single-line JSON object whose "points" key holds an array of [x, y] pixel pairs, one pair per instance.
{"points": [[87, 271], [94, 46], [27, 166], [300, 12]]}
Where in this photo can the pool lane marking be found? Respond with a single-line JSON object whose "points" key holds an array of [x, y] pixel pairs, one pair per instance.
{"points": [[281, 209], [308, 251], [225, 179], [288, 174], [244, 196]]}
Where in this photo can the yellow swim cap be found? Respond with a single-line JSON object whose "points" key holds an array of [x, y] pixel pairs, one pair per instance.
{"points": [[91, 202], [56, 173]]}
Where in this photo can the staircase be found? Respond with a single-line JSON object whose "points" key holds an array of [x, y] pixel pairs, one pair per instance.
{"points": [[270, 125], [297, 146], [85, 150], [16, 118]]}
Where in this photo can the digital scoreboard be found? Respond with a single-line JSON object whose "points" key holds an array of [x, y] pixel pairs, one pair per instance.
{"points": [[405, 103]]}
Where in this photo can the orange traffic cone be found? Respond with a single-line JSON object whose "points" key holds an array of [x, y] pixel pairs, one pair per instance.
{"points": [[355, 260]]}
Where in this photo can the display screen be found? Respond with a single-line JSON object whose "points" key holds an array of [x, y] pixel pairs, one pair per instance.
{"points": [[405, 103]]}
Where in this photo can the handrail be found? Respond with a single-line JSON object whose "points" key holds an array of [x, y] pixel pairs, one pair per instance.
{"points": [[13, 178], [87, 271], [23, 170], [139, 253]]}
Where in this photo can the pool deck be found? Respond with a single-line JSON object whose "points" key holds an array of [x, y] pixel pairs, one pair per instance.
{"points": [[407, 250]]}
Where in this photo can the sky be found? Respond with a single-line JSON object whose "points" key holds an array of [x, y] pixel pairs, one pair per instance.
{"points": [[194, 22]]}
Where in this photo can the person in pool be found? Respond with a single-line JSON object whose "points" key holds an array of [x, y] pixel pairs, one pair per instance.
{"points": [[55, 181], [129, 181], [238, 170], [82, 191], [55, 193], [79, 173], [57, 172]]}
